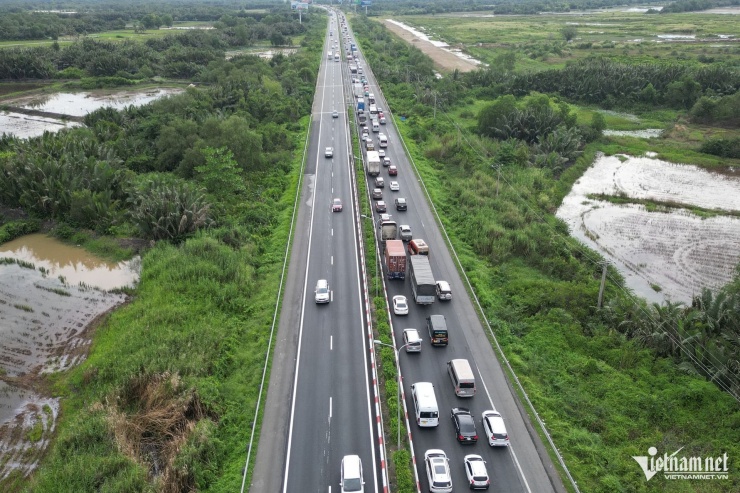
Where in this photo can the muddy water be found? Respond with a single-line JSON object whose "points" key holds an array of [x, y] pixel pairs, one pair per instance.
{"points": [[25, 126], [82, 103], [678, 252], [648, 133], [45, 312], [72, 263]]}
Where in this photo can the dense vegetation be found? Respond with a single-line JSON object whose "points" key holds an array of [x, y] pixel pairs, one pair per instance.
{"points": [[27, 20], [608, 382], [166, 399], [416, 7]]}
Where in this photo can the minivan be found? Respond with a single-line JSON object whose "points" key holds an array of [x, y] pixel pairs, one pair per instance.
{"points": [[462, 377], [437, 328], [411, 340], [351, 474], [425, 404], [417, 246], [376, 126]]}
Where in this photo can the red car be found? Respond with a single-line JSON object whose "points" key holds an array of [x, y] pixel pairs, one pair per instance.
{"points": [[392, 170], [336, 205]]}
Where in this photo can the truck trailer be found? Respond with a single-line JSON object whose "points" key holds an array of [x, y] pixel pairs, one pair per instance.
{"points": [[373, 163], [422, 280], [395, 259]]}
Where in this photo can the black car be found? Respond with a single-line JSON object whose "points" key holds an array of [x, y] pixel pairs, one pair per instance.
{"points": [[464, 425], [401, 204]]}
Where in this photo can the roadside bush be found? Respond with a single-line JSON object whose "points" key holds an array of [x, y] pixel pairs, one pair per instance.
{"points": [[15, 229], [729, 148]]}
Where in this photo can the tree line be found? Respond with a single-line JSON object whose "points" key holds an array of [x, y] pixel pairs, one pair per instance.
{"points": [[22, 21]]}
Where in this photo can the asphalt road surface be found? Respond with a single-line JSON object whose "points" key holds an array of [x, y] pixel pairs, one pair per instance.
{"points": [[318, 407]]}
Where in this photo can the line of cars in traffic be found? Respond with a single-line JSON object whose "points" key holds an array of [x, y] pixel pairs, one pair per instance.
{"points": [[437, 464]]}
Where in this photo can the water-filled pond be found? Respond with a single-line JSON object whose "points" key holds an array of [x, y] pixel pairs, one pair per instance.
{"points": [[675, 251]]}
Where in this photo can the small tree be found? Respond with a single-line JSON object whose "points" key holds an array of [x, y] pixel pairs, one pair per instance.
{"points": [[569, 33]]}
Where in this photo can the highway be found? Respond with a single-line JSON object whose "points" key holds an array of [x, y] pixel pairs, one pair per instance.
{"points": [[325, 410], [524, 465], [318, 406]]}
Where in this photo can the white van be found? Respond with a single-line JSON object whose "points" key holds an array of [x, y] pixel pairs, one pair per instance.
{"points": [[376, 126], [330, 55], [462, 377], [425, 404], [383, 142]]}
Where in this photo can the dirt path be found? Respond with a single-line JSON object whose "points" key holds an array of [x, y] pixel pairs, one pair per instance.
{"points": [[443, 60]]}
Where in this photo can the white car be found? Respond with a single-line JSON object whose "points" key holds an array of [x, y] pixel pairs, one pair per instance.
{"points": [[475, 468], [329, 152], [493, 425], [438, 471], [395, 187], [381, 152], [351, 475], [412, 340], [400, 305], [323, 295], [444, 292]]}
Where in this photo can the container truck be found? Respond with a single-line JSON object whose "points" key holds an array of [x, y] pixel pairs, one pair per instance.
{"points": [[422, 281], [358, 90], [395, 259], [373, 163]]}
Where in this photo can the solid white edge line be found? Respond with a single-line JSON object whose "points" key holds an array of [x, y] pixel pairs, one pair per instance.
{"points": [[330, 408], [303, 310], [331, 343], [511, 447]]}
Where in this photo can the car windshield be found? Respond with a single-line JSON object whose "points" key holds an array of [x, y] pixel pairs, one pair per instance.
{"points": [[353, 484], [322, 290]]}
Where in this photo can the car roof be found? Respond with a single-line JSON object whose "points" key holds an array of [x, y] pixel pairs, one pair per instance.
{"points": [[411, 332], [352, 466], [405, 226], [443, 284], [477, 464]]}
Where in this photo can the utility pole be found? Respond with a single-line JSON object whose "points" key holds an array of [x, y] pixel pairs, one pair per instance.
{"points": [[604, 265]]}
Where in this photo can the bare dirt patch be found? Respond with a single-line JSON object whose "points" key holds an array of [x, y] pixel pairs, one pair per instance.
{"points": [[444, 60]]}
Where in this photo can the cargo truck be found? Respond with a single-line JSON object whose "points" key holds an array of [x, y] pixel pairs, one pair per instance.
{"points": [[422, 281], [388, 231], [373, 163], [395, 259], [358, 90], [353, 68], [360, 104]]}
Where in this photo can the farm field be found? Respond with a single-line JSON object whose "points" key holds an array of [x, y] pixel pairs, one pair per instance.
{"points": [[539, 43]]}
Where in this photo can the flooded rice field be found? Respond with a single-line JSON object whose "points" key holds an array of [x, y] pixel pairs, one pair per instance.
{"points": [[668, 255], [82, 103], [25, 126], [648, 133], [51, 295], [72, 104]]}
